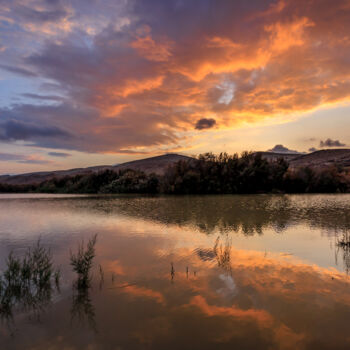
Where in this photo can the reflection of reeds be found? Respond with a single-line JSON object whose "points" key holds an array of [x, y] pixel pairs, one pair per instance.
{"points": [[82, 262], [344, 241], [172, 272], [82, 308], [223, 253], [344, 244], [102, 276]]}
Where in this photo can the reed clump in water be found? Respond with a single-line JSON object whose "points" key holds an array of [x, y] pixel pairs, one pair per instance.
{"points": [[27, 281], [82, 262]]}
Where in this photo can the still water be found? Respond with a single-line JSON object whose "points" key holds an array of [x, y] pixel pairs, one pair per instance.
{"points": [[191, 272]]}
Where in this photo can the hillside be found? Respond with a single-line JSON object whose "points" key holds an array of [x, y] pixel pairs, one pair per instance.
{"points": [[323, 159], [156, 165]]}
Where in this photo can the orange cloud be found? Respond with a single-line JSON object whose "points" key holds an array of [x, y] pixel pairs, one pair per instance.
{"points": [[144, 293], [260, 316], [156, 73], [151, 50]]}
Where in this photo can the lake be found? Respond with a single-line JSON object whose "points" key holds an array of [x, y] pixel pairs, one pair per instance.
{"points": [[185, 272]]}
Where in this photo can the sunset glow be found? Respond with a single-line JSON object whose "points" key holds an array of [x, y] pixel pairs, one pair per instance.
{"points": [[86, 82]]}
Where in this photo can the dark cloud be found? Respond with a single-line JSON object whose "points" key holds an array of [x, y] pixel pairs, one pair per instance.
{"points": [[34, 161], [282, 149], [205, 123], [13, 130], [9, 156], [313, 149], [18, 70], [47, 126], [43, 97], [59, 154], [20, 158], [331, 143]]}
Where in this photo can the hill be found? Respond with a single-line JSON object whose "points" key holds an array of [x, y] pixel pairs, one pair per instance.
{"points": [[322, 159], [272, 156], [155, 165]]}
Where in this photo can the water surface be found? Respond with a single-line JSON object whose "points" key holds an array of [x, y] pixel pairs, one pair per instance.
{"points": [[189, 272]]}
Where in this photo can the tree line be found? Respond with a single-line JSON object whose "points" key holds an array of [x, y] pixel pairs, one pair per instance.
{"points": [[207, 174]]}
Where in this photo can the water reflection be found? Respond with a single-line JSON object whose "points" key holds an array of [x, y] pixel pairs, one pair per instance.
{"points": [[82, 309], [158, 282], [249, 214], [223, 253]]}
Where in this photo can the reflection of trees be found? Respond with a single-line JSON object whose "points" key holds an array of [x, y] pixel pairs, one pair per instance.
{"points": [[249, 214]]}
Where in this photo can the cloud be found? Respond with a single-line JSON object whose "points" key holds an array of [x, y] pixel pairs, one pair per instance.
{"points": [[17, 70], [139, 75], [40, 16], [205, 123], [20, 158], [282, 149], [13, 130], [59, 154], [331, 143], [313, 149], [43, 97]]}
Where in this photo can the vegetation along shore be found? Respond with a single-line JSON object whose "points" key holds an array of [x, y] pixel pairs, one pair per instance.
{"points": [[206, 174]]}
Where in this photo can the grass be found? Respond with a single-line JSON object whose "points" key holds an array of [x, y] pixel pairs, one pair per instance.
{"points": [[27, 281], [82, 262]]}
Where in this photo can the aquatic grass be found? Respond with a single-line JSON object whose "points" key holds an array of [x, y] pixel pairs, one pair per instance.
{"points": [[27, 281], [82, 262]]}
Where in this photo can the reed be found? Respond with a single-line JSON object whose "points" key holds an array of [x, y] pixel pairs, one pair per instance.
{"points": [[82, 262], [27, 281]]}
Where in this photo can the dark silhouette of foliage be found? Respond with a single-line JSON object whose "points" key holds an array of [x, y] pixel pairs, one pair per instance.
{"points": [[208, 174]]}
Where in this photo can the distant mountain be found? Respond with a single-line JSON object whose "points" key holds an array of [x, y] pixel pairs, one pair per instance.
{"points": [[271, 156], [323, 158], [156, 165], [318, 159]]}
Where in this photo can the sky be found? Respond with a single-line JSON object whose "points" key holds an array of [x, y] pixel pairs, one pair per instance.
{"points": [[91, 82]]}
